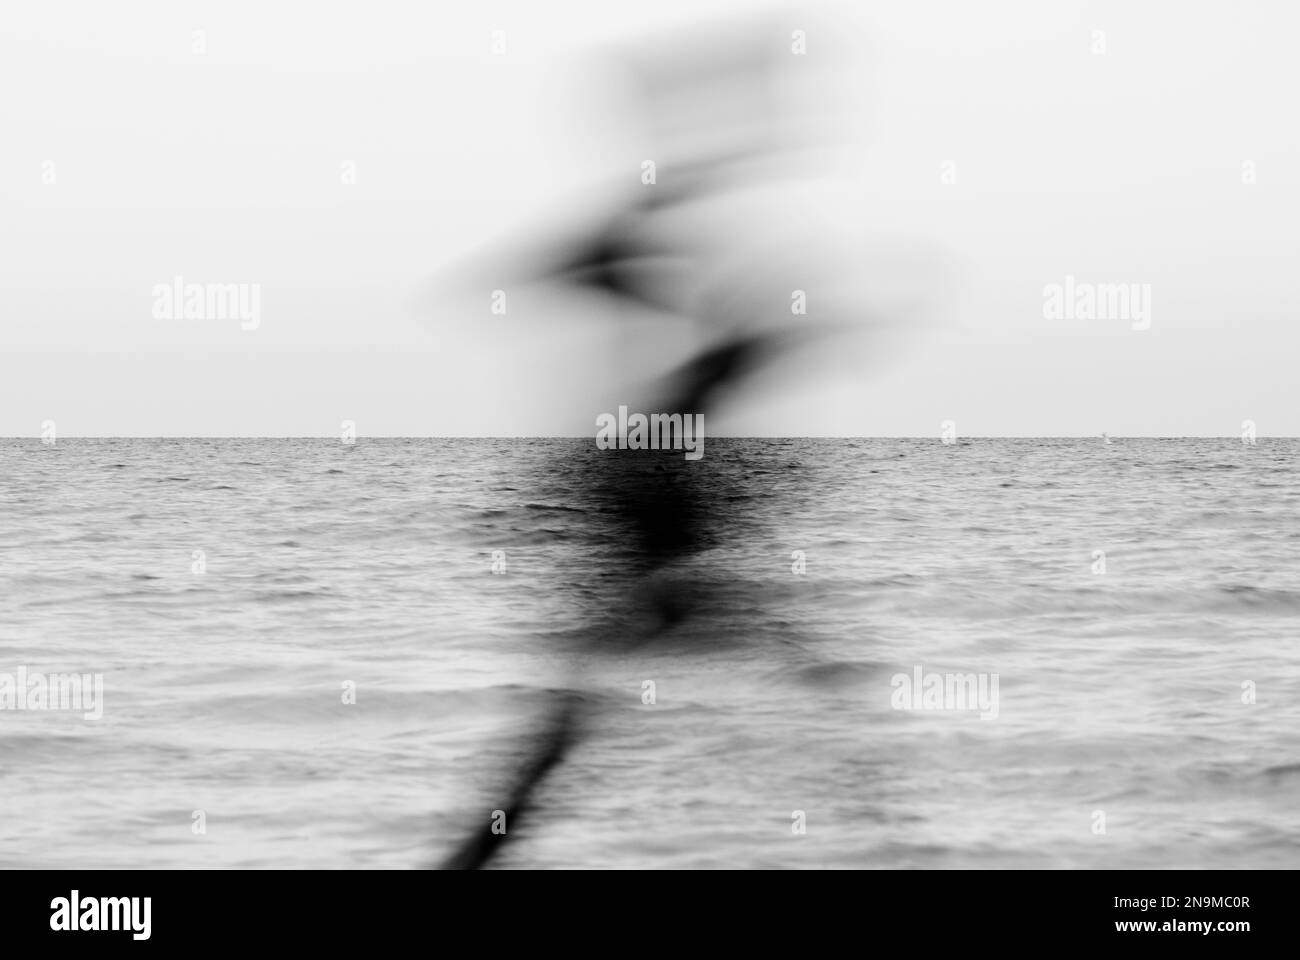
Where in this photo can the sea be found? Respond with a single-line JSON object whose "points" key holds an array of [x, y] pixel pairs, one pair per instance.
{"points": [[897, 653]]}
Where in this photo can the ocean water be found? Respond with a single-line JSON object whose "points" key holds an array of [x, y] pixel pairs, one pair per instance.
{"points": [[1123, 697]]}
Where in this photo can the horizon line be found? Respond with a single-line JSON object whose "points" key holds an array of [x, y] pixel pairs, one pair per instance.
{"points": [[557, 436]]}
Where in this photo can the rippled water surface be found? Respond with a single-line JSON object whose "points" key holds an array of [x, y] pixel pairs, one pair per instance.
{"points": [[371, 566]]}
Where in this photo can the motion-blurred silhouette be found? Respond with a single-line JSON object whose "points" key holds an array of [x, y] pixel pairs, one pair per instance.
{"points": [[736, 122]]}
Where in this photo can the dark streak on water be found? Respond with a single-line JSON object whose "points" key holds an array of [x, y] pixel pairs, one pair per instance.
{"points": [[1120, 692]]}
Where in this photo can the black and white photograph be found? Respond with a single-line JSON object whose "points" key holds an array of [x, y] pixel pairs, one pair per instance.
{"points": [[685, 437]]}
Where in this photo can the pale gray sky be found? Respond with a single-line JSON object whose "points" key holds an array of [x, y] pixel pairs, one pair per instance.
{"points": [[130, 159]]}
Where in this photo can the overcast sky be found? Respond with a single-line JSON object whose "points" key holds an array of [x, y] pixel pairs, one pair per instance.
{"points": [[130, 159]]}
